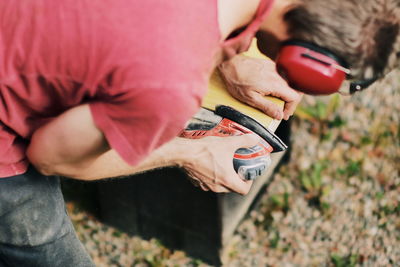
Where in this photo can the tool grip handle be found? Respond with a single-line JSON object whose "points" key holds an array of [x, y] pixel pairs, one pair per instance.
{"points": [[251, 163]]}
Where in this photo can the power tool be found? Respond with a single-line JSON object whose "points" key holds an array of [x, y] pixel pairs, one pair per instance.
{"points": [[249, 163]]}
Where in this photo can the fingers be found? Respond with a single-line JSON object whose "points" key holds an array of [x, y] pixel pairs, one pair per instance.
{"points": [[215, 188], [206, 186], [230, 182], [245, 140], [198, 179], [267, 106], [290, 107], [291, 97], [231, 179], [237, 184], [240, 186], [211, 167]]}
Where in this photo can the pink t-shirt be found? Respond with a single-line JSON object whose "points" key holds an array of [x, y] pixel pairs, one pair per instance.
{"points": [[143, 66]]}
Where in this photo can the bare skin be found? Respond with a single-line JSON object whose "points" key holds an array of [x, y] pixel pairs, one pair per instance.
{"points": [[234, 14]]}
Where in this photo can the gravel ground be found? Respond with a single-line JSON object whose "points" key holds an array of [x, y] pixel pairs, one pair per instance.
{"points": [[335, 204]]}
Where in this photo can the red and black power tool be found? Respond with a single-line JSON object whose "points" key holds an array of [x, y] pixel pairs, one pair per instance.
{"points": [[249, 163]]}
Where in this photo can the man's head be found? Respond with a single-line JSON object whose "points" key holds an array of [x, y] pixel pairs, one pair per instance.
{"points": [[363, 33]]}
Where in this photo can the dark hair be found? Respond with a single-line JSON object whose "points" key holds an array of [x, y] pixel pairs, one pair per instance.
{"points": [[365, 33]]}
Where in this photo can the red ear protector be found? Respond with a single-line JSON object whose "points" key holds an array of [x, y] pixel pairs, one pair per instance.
{"points": [[315, 70], [310, 68]]}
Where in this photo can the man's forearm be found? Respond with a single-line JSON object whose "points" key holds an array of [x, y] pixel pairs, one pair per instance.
{"points": [[110, 164], [71, 145]]}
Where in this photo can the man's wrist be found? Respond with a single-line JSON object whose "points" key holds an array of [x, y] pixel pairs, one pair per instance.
{"points": [[173, 153]]}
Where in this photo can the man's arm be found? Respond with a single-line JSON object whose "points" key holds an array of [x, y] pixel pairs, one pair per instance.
{"points": [[72, 145]]}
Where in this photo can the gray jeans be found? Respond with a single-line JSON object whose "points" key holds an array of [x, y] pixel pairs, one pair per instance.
{"points": [[35, 230]]}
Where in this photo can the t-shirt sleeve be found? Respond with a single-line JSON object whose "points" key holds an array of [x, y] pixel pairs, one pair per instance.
{"points": [[138, 121]]}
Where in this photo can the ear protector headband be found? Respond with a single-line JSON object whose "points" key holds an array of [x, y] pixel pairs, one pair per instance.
{"points": [[310, 68]]}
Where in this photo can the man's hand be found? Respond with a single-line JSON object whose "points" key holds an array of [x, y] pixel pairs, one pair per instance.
{"points": [[209, 162], [251, 79]]}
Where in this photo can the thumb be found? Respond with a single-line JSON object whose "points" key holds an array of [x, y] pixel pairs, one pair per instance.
{"points": [[246, 140]]}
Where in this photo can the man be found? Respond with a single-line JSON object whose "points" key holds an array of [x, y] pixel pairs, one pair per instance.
{"points": [[98, 89]]}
